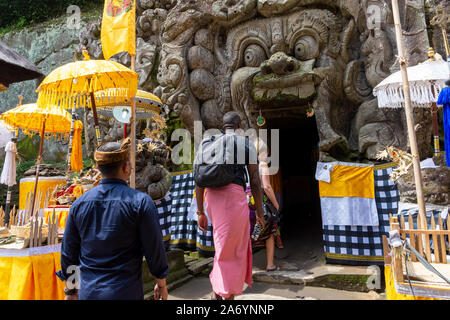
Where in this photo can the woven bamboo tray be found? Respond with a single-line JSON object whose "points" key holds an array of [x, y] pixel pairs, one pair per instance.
{"points": [[24, 231]]}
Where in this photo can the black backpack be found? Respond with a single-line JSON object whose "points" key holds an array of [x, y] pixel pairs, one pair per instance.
{"points": [[210, 169]]}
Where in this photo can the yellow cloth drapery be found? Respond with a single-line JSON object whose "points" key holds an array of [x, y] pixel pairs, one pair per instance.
{"points": [[391, 294], [61, 214], [44, 184], [76, 158], [29, 274], [118, 32], [349, 181]]}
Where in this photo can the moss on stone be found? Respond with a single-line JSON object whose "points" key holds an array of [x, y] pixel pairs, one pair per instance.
{"points": [[342, 282], [154, 72]]}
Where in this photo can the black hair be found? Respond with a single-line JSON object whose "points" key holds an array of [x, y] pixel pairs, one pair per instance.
{"points": [[231, 118], [110, 170], [447, 83]]}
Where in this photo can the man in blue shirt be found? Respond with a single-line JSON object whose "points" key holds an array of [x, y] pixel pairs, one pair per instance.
{"points": [[109, 230]]}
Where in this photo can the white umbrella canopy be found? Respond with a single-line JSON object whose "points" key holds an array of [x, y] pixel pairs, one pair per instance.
{"points": [[5, 134], [426, 80], [8, 176]]}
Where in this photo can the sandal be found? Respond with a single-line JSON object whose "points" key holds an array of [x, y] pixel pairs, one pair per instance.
{"points": [[217, 297], [273, 269]]}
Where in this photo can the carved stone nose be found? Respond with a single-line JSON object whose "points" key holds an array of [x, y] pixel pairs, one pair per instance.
{"points": [[279, 63]]}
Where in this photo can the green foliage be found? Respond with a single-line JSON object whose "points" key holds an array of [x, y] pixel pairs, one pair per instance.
{"points": [[28, 148], [173, 123], [21, 13]]}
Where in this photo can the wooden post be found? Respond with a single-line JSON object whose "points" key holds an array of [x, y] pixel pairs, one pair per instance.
{"points": [[38, 164], [409, 113], [133, 133], [396, 255], [387, 258]]}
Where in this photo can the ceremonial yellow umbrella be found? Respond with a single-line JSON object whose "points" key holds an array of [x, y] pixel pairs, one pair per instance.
{"points": [[147, 105], [74, 84], [48, 122]]}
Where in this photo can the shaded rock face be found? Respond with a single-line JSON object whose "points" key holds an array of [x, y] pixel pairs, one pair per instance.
{"points": [[48, 46], [436, 186]]}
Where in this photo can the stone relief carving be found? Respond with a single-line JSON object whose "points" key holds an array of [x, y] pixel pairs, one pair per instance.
{"points": [[213, 56]]}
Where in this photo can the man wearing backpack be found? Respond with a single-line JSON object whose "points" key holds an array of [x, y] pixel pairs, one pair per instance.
{"points": [[220, 176]]}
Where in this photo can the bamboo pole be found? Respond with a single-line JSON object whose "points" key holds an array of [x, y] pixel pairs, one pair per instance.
{"points": [[133, 132], [38, 164], [409, 114], [444, 36]]}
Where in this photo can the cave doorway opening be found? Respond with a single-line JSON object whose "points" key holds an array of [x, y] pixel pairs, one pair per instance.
{"points": [[301, 224]]}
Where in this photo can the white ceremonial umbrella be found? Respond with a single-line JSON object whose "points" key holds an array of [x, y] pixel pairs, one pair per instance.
{"points": [[5, 135], [8, 176], [426, 80]]}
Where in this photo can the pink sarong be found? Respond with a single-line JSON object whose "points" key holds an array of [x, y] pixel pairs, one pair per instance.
{"points": [[228, 211]]}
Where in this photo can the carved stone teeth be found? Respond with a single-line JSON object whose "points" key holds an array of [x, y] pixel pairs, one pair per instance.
{"points": [[272, 93], [290, 91]]}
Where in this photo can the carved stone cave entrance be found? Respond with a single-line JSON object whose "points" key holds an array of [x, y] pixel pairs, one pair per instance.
{"points": [[299, 154]]}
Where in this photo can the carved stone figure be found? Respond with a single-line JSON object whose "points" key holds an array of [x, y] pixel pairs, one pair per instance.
{"points": [[204, 58], [152, 176]]}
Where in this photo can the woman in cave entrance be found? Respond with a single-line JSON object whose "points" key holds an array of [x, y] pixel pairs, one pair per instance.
{"points": [[270, 235]]}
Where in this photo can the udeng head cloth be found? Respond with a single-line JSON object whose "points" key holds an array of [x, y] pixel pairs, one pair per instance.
{"points": [[108, 157]]}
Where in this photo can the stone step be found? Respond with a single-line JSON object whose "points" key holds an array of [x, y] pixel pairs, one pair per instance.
{"points": [[197, 267], [351, 278], [171, 286]]}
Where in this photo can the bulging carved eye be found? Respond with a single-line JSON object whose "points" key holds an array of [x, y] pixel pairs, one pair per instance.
{"points": [[306, 48], [254, 55]]}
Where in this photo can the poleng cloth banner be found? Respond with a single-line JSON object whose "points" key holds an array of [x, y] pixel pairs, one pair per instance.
{"points": [[118, 27], [349, 198]]}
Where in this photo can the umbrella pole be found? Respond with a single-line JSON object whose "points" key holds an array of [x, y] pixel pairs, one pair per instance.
{"points": [[409, 115], [124, 130], [133, 133], [96, 124], [38, 164], [69, 152]]}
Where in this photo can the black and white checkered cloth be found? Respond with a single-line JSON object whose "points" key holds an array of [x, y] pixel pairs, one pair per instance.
{"points": [[164, 207], [362, 245], [184, 231]]}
